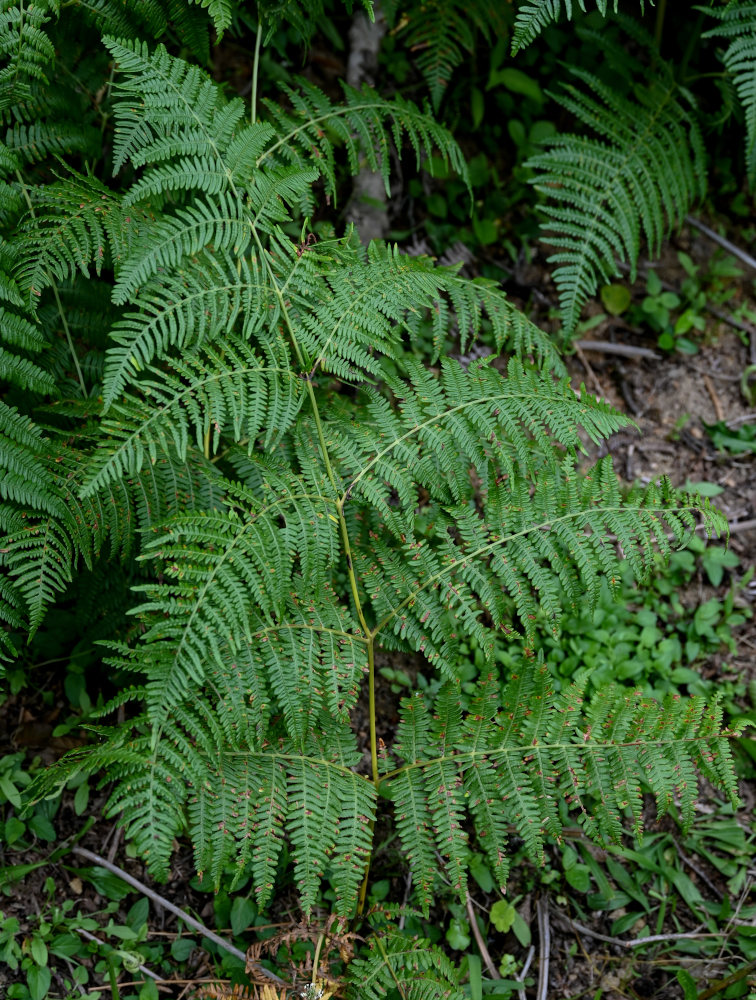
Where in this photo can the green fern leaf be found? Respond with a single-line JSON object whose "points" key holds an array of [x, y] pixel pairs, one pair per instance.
{"points": [[637, 179], [738, 23], [540, 748], [539, 553], [365, 123], [442, 34], [214, 392], [469, 418], [26, 47], [535, 15], [220, 12], [198, 304], [416, 968]]}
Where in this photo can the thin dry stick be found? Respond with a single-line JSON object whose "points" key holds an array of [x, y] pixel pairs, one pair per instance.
{"points": [[544, 936], [176, 911], [591, 374], [638, 942], [719, 412], [623, 350], [743, 525], [520, 977], [725, 244], [492, 970]]}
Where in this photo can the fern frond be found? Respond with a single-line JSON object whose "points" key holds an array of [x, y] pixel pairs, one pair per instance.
{"points": [[418, 969], [24, 478], [535, 15], [541, 552], [195, 305], [364, 124], [471, 418], [226, 390], [218, 223], [220, 12], [26, 47], [239, 797], [36, 141], [738, 23], [126, 20], [231, 584], [441, 34], [78, 222], [636, 180], [533, 748]]}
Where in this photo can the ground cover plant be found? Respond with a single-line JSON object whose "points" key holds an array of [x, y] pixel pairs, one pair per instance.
{"points": [[256, 459]]}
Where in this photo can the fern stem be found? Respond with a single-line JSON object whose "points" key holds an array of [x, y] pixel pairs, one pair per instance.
{"points": [[659, 26], [58, 303], [255, 73]]}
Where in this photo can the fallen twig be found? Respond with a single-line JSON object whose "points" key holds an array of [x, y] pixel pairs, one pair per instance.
{"points": [[544, 937], [520, 977], [743, 525], [142, 968], [623, 350], [718, 411], [484, 954], [176, 911], [724, 243], [637, 942]]}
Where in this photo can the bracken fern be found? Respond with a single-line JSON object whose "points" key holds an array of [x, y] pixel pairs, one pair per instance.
{"points": [[288, 490]]}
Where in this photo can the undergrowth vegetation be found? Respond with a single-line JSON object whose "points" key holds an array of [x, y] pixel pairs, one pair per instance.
{"points": [[249, 462]]}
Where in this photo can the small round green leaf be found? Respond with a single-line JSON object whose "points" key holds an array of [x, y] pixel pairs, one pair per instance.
{"points": [[615, 298]]}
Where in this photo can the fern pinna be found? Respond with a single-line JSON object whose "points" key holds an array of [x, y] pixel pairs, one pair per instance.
{"points": [[290, 490]]}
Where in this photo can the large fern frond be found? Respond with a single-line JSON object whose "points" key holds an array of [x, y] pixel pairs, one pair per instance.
{"points": [[634, 181], [240, 797]]}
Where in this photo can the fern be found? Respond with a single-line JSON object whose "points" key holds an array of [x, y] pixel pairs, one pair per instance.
{"points": [[634, 181], [510, 762], [535, 15], [442, 34], [217, 406], [417, 968], [738, 23]]}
